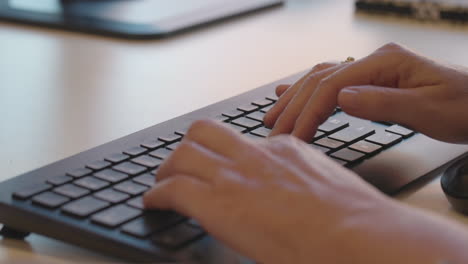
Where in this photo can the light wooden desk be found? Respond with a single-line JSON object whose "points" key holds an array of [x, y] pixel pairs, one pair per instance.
{"points": [[62, 93]]}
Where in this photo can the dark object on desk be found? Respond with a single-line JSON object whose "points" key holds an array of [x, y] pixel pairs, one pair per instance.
{"points": [[432, 10], [97, 193], [455, 185], [134, 19]]}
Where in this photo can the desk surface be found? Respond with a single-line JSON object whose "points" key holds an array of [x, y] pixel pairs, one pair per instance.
{"points": [[62, 93]]}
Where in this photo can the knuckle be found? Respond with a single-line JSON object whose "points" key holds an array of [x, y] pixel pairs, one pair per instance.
{"points": [[286, 146], [284, 142], [392, 46], [324, 83], [312, 78], [321, 66], [392, 49]]}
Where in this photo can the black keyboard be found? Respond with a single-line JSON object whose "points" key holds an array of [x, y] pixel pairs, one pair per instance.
{"points": [[94, 199]]}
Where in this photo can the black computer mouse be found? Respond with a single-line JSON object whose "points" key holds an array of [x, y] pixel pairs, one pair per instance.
{"points": [[454, 182]]}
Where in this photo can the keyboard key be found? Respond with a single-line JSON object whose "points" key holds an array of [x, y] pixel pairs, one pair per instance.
{"points": [[111, 196], [177, 236], [247, 108], [329, 143], [29, 191], [91, 183], [262, 102], [182, 132], [71, 191], [384, 138], [332, 125], [233, 114], [402, 131], [84, 206], [266, 109], [171, 138], [258, 116], [153, 144], [115, 216], [173, 146], [161, 153], [136, 202], [352, 134], [151, 222], [348, 155], [341, 162], [246, 122], [147, 161], [98, 165], [318, 135], [321, 149], [220, 118], [129, 168], [273, 97], [365, 147], [384, 123], [117, 158], [59, 180], [131, 188], [77, 173], [49, 199], [135, 151], [261, 132], [238, 128], [146, 179], [111, 175]]}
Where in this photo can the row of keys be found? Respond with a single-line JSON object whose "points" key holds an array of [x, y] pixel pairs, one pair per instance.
{"points": [[91, 179], [337, 138], [353, 145], [123, 169], [91, 191], [109, 191]]}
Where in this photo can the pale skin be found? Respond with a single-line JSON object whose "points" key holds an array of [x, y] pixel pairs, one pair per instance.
{"points": [[279, 201]]}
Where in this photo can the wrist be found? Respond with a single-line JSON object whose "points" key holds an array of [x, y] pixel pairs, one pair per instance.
{"points": [[363, 233], [396, 233]]}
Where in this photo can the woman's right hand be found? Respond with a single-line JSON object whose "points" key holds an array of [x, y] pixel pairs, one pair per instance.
{"points": [[392, 84]]}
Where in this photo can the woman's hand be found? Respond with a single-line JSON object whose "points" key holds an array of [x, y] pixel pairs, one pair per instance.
{"points": [[392, 84], [279, 201], [275, 200]]}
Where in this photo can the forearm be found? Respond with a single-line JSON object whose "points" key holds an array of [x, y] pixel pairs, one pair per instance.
{"points": [[401, 234]]}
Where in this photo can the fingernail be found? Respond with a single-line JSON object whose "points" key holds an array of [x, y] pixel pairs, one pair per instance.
{"points": [[348, 98]]}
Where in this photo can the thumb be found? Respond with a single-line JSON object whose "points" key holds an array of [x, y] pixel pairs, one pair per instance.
{"points": [[396, 105]]}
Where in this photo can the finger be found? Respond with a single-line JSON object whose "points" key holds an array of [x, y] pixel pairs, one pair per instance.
{"points": [[217, 138], [273, 114], [378, 69], [287, 119], [192, 159], [402, 106], [280, 89], [184, 194]]}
